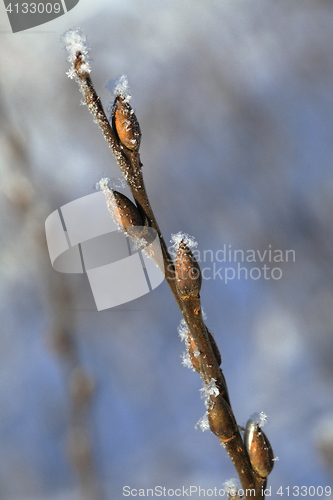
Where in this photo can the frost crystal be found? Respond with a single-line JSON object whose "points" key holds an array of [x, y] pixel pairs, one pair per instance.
{"points": [[187, 361], [76, 41], [231, 487], [119, 87], [259, 418], [203, 423], [209, 389], [178, 238], [103, 185], [112, 182], [183, 330]]}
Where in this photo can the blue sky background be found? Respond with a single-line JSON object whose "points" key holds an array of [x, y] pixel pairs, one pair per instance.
{"points": [[235, 104]]}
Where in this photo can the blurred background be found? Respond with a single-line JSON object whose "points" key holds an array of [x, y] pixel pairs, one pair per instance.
{"points": [[235, 103]]}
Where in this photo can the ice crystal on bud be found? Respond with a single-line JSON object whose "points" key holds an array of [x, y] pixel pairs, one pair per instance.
{"points": [[196, 352], [119, 87], [112, 182], [259, 418], [103, 185], [178, 238], [75, 42], [232, 487], [209, 389], [203, 423]]}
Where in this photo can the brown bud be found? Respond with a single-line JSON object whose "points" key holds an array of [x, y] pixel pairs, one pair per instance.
{"points": [[124, 212], [214, 347], [221, 419], [259, 449], [126, 124], [188, 274]]}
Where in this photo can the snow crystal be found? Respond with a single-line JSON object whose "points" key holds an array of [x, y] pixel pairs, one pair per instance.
{"points": [[178, 238], [119, 87], [209, 389], [183, 330], [203, 423], [112, 182], [76, 41], [186, 361], [259, 419], [196, 352], [231, 487], [103, 185]]}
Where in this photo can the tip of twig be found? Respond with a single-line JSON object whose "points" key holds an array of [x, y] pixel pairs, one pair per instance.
{"points": [[75, 42]]}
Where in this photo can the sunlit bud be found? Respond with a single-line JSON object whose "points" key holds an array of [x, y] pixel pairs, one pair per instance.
{"points": [[221, 419], [123, 210], [188, 274], [126, 124], [215, 349], [259, 449]]}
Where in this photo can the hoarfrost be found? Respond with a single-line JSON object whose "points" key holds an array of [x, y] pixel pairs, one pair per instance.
{"points": [[259, 418], [209, 389], [75, 41], [203, 423], [183, 330], [113, 183], [178, 238], [119, 87], [103, 185], [232, 487], [196, 352], [186, 361]]}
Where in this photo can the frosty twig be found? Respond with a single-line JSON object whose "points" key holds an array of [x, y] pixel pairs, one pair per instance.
{"points": [[182, 274]]}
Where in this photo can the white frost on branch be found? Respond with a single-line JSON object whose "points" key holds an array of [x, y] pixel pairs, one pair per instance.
{"points": [[209, 389], [232, 487], [103, 185], [119, 87], [183, 330], [186, 360], [259, 418], [203, 423], [75, 41], [178, 238]]}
